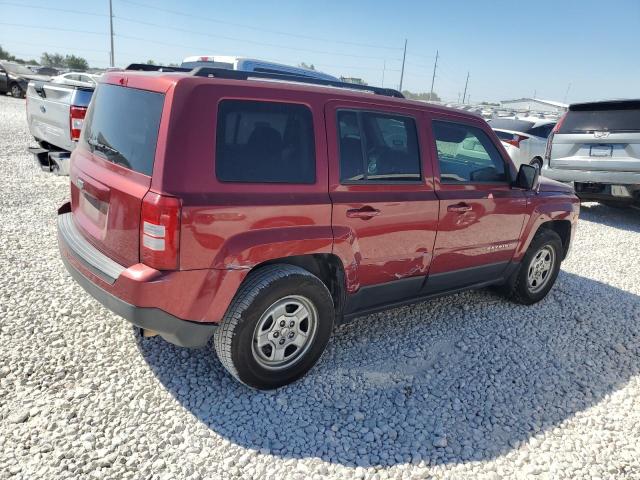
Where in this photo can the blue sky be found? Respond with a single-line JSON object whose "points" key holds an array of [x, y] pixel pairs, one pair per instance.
{"points": [[511, 49]]}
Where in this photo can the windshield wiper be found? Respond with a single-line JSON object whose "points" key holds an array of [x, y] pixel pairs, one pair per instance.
{"points": [[111, 153]]}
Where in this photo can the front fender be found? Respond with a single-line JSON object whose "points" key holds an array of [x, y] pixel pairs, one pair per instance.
{"points": [[546, 208]]}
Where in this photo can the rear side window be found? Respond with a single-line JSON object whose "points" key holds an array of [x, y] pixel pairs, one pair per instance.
{"points": [[122, 126], [377, 147], [611, 120], [466, 154], [265, 142]]}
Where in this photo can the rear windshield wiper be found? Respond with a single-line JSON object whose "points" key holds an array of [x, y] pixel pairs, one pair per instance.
{"points": [[111, 153]]}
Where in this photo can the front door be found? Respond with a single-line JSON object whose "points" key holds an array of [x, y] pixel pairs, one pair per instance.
{"points": [[481, 215], [385, 210]]}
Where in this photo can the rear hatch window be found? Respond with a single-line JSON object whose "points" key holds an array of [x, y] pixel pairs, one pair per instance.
{"points": [[602, 117], [122, 126]]}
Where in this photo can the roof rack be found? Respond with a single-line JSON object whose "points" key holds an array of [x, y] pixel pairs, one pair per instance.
{"points": [[284, 77], [143, 67]]}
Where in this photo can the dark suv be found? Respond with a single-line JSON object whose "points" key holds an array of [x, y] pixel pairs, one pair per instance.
{"points": [[262, 212]]}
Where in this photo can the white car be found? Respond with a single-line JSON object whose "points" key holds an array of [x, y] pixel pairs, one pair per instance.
{"points": [[252, 65], [524, 140], [77, 79]]}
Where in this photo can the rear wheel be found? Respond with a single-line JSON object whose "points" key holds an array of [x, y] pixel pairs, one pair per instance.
{"points": [[538, 270], [16, 91], [617, 204], [276, 328]]}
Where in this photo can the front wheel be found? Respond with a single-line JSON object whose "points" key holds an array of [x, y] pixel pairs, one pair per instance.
{"points": [[538, 270], [537, 163], [276, 327]]}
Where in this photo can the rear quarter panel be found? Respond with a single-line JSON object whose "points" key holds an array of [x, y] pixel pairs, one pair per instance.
{"points": [[229, 225]]}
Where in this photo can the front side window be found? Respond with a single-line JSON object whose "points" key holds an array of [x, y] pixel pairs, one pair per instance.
{"points": [[466, 154], [377, 147], [265, 142]]}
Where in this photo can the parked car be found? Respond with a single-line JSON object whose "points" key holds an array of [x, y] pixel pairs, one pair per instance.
{"points": [[596, 148], [252, 65], [524, 140], [78, 79], [55, 115], [48, 71], [15, 77], [264, 212]]}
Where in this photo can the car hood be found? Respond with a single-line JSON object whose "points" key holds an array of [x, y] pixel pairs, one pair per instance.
{"points": [[548, 185]]}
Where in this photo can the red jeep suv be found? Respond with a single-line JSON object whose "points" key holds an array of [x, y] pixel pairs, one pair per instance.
{"points": [[262, 209]]}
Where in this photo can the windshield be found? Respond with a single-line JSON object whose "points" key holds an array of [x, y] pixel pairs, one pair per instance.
{"points": [[15, 68]]}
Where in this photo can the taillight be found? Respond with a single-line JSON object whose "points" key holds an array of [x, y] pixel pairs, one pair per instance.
{"points": [[515, 141], [547, 151], [76, 120], [160, 231]]}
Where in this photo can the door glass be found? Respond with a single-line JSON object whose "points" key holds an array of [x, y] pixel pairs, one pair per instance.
{"points": [[377, 147], [467, 155]]}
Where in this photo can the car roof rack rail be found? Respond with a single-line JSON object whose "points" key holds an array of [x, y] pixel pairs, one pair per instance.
{"points": [[244, 75], [283, 77], [143, 67]]}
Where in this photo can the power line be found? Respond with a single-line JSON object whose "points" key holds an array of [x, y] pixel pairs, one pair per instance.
{"points": [[251, 27], [59, 46], [39, 27], [243, 40], [63, 10]]}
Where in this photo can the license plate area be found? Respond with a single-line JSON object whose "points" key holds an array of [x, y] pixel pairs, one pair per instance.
{"points": [[601, 150], [620, 191]]}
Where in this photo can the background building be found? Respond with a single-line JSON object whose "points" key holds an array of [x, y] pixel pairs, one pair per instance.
{"points": [[534, 105]]}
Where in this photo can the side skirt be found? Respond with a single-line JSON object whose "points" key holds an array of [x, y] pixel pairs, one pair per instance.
{"points": [[407, 291]]}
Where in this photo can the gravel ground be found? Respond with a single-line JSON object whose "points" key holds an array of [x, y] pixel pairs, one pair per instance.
{"points": [[468, 386]]}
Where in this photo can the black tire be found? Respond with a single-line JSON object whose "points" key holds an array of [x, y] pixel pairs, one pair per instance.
{"points": [[234, 338], [519, 289], [616, 204], [536, 162], [16, 91]]}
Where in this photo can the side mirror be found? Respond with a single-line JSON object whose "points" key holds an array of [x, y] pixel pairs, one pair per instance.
{"points": [[527, 178]]}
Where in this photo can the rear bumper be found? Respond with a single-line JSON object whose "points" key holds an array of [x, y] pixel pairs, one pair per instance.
{"points": [[594, 176], [182, 306]]}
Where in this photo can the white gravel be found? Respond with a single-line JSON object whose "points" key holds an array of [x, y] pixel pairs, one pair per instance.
{"points": [[468, 386]]}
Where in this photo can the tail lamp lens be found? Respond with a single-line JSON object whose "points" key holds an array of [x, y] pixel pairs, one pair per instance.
{"points": [[515, 141], [76, 120], [160, 231]]}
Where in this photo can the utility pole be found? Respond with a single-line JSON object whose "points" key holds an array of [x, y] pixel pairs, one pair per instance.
{"points": [[404, 56], [465, 88], [112, 60], [384, 67], [458, 97], [433, 78]]}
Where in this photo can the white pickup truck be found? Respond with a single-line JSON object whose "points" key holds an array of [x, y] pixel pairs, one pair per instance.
{"points": [[55, 114]]}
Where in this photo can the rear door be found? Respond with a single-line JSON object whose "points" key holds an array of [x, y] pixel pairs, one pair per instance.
{"points": [[481, 216], [385, 211], [111, 168], [602, 136]]}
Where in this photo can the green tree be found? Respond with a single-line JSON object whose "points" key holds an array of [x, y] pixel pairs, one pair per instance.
{"points": [[52, 60], [76, 63], [4, 55], [151, 62], [424, 96], [310, 66]]}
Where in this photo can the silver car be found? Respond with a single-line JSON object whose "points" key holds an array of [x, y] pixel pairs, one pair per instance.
{"points": [[596, 147], [525, 140]]}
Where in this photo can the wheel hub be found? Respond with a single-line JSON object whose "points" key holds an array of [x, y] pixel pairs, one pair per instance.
{"points": [[284, 332], [541, 268]]}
